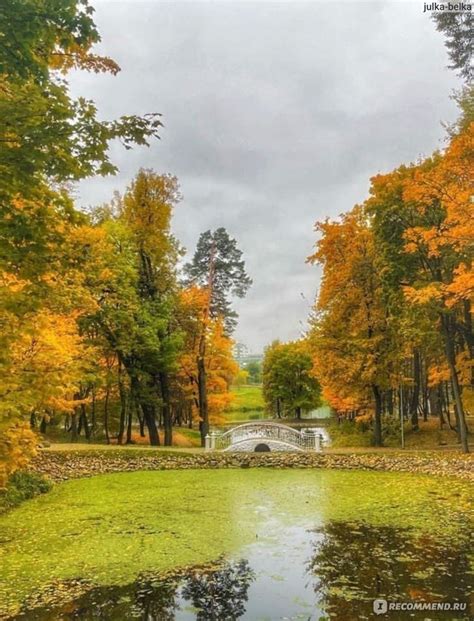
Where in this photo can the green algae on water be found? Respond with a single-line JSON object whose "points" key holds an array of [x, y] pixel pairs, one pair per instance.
{"points": [[110, 528]]}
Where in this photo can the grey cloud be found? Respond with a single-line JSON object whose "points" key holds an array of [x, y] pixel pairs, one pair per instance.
{"points": [[276, 115]]}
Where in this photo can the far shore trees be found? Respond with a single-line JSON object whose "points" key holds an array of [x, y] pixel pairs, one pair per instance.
{"points": [[289, 387], [392, 324]]}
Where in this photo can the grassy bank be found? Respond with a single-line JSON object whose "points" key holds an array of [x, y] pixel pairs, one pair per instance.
{"points": [[429, 436], [247, 405]]}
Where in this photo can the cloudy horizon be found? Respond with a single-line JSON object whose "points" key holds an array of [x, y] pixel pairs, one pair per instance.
{"points": [[276, 115]]}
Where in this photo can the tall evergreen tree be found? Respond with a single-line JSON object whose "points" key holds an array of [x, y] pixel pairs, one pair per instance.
{"points": [[458, 29], [217, 266]]}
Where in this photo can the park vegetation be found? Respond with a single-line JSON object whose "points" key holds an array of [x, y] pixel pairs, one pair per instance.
{"points": [[290, 388], [106, 335], [102, 335], [391, 331]]}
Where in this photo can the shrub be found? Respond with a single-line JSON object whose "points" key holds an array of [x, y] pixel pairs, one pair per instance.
{"points": [[350, 433], [22, 486]]}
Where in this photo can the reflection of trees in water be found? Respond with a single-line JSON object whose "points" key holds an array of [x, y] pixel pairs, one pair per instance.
{"points": [[146, 600], [356, 563], [155, 600], [219, 595]]}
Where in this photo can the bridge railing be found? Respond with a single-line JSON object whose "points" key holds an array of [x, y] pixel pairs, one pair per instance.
{"points": [[305, 439]]}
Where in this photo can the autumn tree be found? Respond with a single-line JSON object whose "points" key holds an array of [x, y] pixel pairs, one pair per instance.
{"points": [[351, 334], [427, 212], [218, 268], [136, 292], [434, 220], [221, 368], [47, 140]]}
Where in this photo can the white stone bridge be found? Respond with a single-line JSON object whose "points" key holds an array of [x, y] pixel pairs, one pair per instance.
{"points": [[266, 436]]}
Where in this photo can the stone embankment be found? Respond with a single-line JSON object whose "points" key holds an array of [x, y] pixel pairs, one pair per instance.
{"points": [[64, 465]]}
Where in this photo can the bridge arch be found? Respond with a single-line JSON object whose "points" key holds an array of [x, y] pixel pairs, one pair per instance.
{"points": [[264, 437]]}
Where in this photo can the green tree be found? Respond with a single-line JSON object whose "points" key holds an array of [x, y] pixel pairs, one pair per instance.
{"points": [[289, 386], [458, 27], [46, 135], [217, 265], [132, 276], [254, 369], [47, 140]]}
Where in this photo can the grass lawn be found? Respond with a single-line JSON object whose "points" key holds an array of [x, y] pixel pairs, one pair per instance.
{"points": [[429, 436], [247, 398], [248, 405], [132, 450], [183, 438]]}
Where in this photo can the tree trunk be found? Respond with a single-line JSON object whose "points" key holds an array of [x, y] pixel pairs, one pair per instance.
{"points": [[141, 422], [451, 360], [446, 400], [166, 410], [189, 414], [131, 407], [106, 415], [84, 422], [468, 334], [202, 390], [390, 407], [436, 408], [93, 414], [74, 427], [123, 405], [440, 402], [424, 390], [179, 416], [378, 416], [415, 398], [43, 425], [149, 415], [142, 400]]}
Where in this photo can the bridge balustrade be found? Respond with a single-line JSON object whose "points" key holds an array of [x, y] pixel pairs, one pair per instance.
{"points": [[303, 440]]}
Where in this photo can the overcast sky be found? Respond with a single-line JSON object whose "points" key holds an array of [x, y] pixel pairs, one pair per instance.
{"points": [[276, 115]]}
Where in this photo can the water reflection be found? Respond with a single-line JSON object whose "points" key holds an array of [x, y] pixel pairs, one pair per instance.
{"points": [[204, 594], [354, 564], [219, 594], [334, 572]]}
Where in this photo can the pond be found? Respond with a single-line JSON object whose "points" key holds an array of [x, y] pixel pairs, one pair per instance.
{"points": [[250, 544]]}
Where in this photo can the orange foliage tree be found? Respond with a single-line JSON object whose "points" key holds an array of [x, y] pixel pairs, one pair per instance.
{"points": [[350, 333], [221, 367]]}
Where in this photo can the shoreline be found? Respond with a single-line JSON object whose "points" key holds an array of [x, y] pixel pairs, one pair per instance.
{"points": [[61, 465]]}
